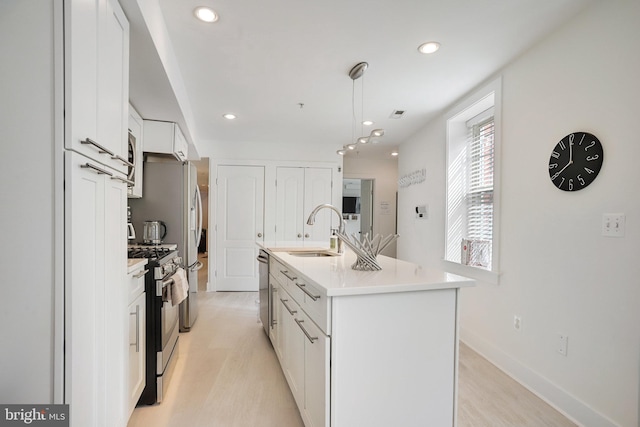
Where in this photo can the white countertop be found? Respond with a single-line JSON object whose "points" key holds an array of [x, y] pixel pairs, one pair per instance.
{"points": [[335, 275], [134, 264]]}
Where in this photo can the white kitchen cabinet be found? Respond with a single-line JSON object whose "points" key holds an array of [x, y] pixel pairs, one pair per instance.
{"points": [[95, 292], [302, 347], [298, 191], [378, 348], [137, 337], [293, 348], [275, 312], [316, 373], [137, 131], [96, 80], [165, 137]]}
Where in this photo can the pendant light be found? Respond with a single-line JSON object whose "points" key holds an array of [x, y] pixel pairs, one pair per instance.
{"points": [[355, 73]]}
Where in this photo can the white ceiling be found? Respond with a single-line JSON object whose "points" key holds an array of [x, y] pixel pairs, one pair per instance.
{"points": [[263, 58]]}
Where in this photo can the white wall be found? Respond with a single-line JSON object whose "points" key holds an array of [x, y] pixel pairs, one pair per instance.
{"points": [[255, 150], [383, 170], [558, 272], [31, 214]]}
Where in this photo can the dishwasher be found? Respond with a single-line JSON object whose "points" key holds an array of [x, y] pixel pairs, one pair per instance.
{"points": [[263, 289]]}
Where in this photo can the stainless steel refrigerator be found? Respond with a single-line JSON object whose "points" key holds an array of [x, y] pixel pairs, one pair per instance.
{"points": [[170, 193]]}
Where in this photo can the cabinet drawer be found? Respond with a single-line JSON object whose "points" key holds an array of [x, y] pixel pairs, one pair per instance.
{"points": [[136, 283], [315, 304], [287, 279]]}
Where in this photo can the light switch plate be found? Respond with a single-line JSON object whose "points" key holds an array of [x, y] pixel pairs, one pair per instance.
{"points": [[613, 224]]}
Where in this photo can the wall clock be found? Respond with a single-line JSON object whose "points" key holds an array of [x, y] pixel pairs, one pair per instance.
{"points": [[575, 161]]}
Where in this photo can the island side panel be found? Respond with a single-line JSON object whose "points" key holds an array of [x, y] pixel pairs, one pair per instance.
{"points": [[394, 359]]}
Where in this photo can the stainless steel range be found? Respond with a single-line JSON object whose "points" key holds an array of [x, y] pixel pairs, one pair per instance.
{"points": [[162, 318]]}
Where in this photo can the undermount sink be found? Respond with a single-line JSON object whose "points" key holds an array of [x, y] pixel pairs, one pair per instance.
{"points": [[313, 253]]}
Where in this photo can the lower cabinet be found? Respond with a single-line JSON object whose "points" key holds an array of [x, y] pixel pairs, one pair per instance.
{"points": [[304, 356], [316, 374], [137, 340], [137, 337], [366, 359]]}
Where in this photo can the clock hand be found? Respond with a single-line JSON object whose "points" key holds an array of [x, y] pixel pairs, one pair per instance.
{"points": [[570, 149]]}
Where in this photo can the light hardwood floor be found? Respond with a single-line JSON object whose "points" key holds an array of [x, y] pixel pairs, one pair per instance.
{"points": [[227, 375]]}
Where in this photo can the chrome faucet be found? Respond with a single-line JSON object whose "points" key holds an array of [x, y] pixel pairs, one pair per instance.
{"points": [[312, 218]]}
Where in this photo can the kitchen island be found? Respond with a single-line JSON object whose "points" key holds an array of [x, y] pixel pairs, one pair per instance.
{"points": [[374, 348]]}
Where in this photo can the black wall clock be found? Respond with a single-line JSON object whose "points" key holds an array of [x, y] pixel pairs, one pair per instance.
{"points": [[575, 161]]}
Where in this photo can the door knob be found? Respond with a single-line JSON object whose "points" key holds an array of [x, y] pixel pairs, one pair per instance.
{"points": [[259, 234]]}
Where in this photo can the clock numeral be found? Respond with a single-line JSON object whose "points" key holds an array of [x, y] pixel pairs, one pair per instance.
{"points": [[557, 174], [580, 179], [562, 145], [590, 145], [570, 184], [581, 139], [561, 182], [589, 171], [592, 158], [555, 155], [553, 165]]}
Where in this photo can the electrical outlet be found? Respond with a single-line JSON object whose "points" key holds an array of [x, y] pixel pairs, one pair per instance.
{"points": [[563, 344], [517, 323], [613, 225]]}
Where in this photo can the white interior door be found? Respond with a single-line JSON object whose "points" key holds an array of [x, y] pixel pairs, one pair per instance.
{"points": [[317, 191], [289, 204], [240, 224]]}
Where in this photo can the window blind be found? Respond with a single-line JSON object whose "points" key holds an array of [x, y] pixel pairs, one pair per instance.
{"points": [[479, 186]]}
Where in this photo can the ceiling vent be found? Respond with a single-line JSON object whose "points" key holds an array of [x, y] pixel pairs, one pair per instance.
{"points": [[397, 114]]}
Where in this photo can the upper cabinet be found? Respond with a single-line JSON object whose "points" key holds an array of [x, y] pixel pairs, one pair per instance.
{"points": [[96, 81], [136, 141], [298, 191], [165, 137]]}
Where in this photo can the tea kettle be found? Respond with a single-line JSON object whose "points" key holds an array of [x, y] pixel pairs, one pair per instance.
{"points": [[154, 232]]}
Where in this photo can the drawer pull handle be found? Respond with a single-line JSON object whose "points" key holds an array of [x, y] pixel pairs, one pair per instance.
{"points": [[126, 181], [284, 302], [140, 274], [96, 169], [100, 148], [312, 339], [303, 287], [137, 314], [286, 273], [124, 161]]}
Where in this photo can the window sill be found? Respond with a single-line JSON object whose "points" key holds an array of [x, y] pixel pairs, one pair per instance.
{"points": [[476, 273]]}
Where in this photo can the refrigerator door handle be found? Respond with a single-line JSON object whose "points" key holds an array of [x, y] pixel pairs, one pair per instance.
{"points": [[195, 266], [199, 230]]}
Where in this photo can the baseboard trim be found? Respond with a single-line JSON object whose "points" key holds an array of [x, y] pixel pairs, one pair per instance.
{"points": [[567, 404]]}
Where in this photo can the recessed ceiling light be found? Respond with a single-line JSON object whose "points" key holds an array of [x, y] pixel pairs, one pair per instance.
{"points": [[367, 123], [341, 152], [229, 116], [394, 153], [363, 140], [429, 47], [205, 14], [351, 146]]}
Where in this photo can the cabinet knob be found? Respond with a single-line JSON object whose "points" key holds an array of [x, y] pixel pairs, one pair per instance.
{"points": [[299, 235], [306, 235], [259, 234]]}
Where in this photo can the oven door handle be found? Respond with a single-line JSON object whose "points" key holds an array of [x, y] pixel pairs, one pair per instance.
{"points": [[160, 285]]}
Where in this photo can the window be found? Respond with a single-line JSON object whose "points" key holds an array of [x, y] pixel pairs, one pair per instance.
{"points": [[472, 184]]}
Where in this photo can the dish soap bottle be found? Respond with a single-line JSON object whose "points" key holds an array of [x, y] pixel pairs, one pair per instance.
{"points": [[333, 241]]}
